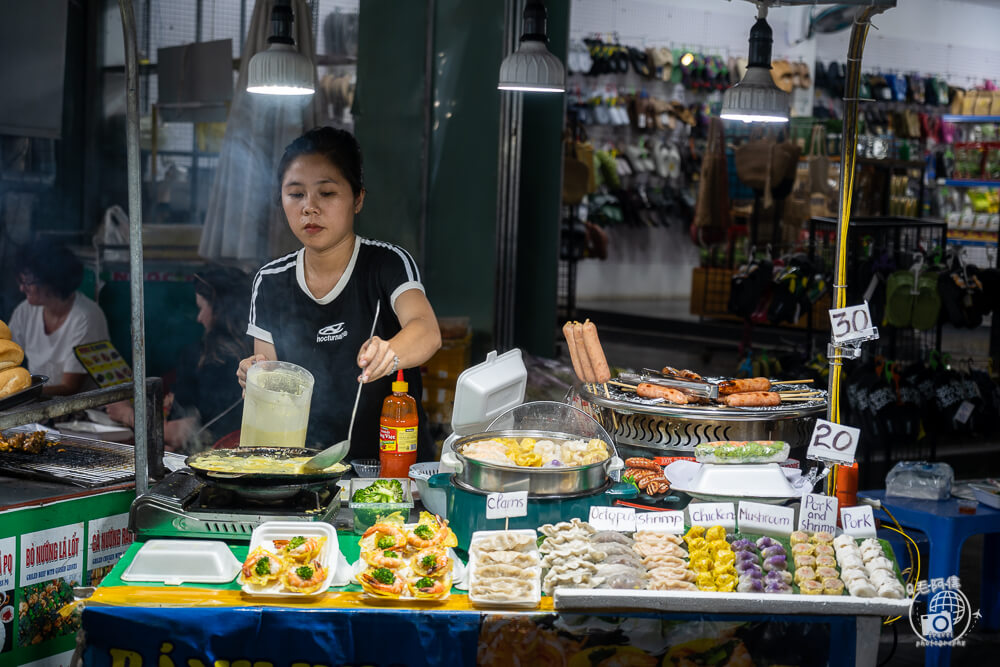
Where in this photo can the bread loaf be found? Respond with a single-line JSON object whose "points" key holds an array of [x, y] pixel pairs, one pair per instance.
{"points": [[13, 380], [11, 354], [4, 331]]}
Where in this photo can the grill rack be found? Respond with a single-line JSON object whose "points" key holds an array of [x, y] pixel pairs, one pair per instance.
{"points": [[74, 460]]}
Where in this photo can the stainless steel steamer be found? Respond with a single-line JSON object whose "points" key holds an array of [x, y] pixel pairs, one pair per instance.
{"points": [[642, 427]]}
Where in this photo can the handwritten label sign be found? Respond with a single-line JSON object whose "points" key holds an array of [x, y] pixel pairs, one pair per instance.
{"points": [[763, 518], [507, 505], [613, 518], [670, 521], [52, 553], [833, 442], [852, 323], [818, 512], [712, 514], [8, 546], [858, 521]]}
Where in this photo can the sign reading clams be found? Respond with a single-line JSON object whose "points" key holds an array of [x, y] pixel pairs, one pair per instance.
{"points": [[507, 505], [712, 514], [762, 518], [818, 513]]}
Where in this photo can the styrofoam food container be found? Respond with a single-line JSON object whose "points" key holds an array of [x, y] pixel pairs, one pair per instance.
{"points": [[987, 495], [459, 576], [175, 562], [264, 536], [761, 481], [536, 592], [435, 500]]}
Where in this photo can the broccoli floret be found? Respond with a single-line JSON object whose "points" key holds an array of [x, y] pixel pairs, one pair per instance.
{"points": [[428, 562], [423, 531], [305, 572], [425, 582], [380, 491], [385, 542], [262, 567], [384, 575]]}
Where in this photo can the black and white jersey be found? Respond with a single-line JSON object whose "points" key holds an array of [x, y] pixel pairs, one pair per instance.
{"points": [[324, 335]]}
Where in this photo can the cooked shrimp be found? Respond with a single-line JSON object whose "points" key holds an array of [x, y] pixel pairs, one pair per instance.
{"points": [[261, 567], [390, 558], [381, 581], [431, 562], [382, 536], [305, 578], [425, 587], [300, 548], [427, 535]]}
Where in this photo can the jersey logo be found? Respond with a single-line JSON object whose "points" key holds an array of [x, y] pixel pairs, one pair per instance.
{"points": [[332, 332]]}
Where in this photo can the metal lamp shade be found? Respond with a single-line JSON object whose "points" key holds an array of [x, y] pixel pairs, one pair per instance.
{"points": [[756, 99], [280, 70], [532, 68]]}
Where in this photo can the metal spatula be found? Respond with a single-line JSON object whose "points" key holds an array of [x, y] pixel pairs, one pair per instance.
{"points": [[335, 453]]}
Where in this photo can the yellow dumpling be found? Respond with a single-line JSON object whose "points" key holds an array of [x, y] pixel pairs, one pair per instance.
{"points": [[704, 579], [725, 557], [697, 544], [715, 546], [715, 533], [702, 564], [693, 532]]}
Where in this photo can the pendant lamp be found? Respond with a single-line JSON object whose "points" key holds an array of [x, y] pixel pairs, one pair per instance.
{"points": [[532, 67], [755, 99], [281, 69]]}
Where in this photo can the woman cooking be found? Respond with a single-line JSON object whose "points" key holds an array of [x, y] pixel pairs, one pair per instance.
{"points": [[315, 307]]}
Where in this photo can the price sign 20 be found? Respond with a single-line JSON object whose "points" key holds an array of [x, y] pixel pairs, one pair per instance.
{"points": [[852, 323], [833, 442]]}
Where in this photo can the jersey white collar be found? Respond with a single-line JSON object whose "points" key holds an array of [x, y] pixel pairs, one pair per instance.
{"points": [[300, 275]]}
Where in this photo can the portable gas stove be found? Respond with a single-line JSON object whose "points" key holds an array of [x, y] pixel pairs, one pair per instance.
{"points": [[181, 505]]}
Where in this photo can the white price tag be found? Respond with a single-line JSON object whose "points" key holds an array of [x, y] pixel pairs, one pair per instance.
{"points": [[669, 521], [851, 323], [818, 512], [621, 519], [964, 412], [712, 514], [507, 505], [833, 442], [767, 519], [858, 521]]}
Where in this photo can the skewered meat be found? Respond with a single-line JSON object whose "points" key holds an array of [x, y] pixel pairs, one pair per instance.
{"points": [[743, 385], [753, 399], [647, 390]]}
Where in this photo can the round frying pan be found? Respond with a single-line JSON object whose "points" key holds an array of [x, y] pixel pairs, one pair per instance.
{"points": [[261, 478]]}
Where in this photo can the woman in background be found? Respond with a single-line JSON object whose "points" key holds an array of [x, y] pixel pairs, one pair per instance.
{"points": [[204, 395], [54, 318]]}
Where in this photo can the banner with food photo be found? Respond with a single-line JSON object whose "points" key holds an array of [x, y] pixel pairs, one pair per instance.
{"points": [[51, 564], [8, 558], [109, 538]]}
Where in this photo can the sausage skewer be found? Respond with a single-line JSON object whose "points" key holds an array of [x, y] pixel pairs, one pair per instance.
{"points": [[754, 399], [585, 363], [647, 390], [574, 354], [602, 373], [727, 387]]}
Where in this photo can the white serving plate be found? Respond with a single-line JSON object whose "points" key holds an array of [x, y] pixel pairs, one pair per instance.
{"points": [[528, 602], [175, 562], [763, 482], [265, 534], [987, 495]]}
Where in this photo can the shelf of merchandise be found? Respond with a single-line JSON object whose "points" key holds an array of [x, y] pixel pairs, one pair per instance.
{"points": [[953, 118]]}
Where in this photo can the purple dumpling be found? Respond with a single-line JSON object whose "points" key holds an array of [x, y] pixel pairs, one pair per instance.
{"points": [[777, 587], [765, 542], [773, 550], [750, 586], [776, 563], [743, 545], [782, 576]]}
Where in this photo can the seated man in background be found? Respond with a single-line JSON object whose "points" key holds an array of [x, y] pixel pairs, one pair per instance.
{"points": [[54, 318]]}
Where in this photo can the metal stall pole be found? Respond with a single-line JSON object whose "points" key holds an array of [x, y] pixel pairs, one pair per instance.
{"points": [[135, 244], [848, 153]]}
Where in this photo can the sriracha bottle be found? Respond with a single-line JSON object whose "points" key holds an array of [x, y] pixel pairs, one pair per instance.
{"points": [[398, 431]]}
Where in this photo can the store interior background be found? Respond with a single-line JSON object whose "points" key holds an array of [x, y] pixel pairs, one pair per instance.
{"points": [[417, 82]]}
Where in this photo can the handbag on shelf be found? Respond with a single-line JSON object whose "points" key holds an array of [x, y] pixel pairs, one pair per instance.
{"points": [[712, 215]]}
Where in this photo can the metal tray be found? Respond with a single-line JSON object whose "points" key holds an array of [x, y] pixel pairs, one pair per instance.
{"points": [[25, 395]]}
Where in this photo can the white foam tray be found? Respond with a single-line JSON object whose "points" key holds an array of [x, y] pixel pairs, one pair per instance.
{"points": [[523, 603], [175, 562], [265, 534]]}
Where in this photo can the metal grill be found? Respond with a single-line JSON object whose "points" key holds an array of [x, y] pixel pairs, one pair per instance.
{"points": [[78, 461]]}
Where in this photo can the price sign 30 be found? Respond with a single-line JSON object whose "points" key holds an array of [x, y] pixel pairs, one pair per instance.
{"points": [[852, 323]]}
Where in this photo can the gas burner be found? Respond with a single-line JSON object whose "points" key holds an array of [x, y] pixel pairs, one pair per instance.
{"points": [[181, 505]]}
